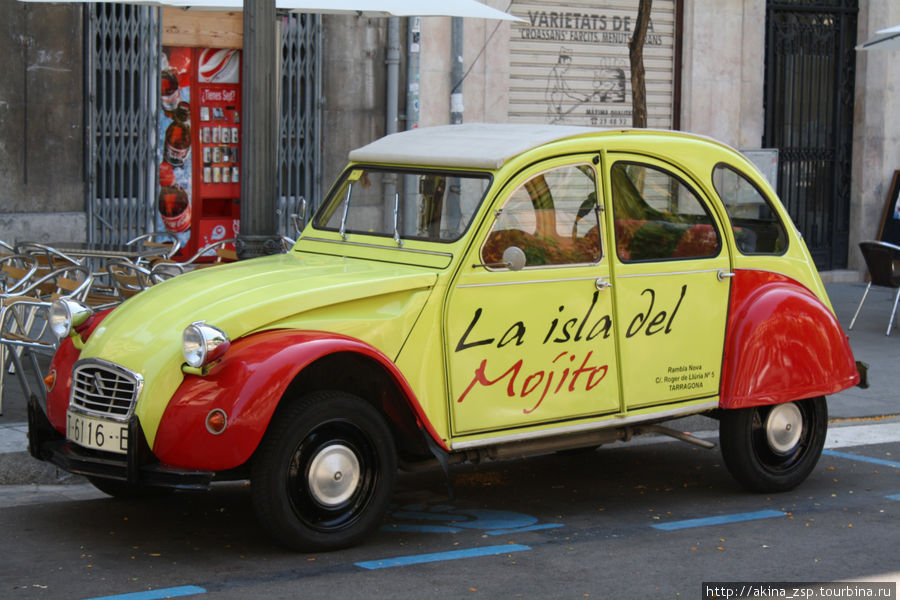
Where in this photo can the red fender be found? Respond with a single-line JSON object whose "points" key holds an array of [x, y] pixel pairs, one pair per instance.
{"points": [[58, 395], [248, 385], [782, 344], [61, 370]]}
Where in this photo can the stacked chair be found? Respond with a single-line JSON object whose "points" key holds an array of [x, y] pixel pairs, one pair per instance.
{"points": [[33, 275], [28, 289]]}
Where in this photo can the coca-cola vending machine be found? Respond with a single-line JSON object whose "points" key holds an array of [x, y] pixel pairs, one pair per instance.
{"points": [[200, 136]]}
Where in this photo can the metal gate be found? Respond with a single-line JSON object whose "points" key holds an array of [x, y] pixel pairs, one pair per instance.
{"points": [[122, 84], [810, 72], [299, 158], [569, 62], [122, 50]]}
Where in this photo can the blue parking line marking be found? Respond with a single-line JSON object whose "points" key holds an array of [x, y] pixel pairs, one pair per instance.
{"points": [[173, 592], [418, 559], [877, 461], [893, 497], [719, 520]]}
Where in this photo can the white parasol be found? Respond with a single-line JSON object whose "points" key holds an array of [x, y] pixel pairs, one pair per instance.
{"points": [[884, 39], [383, 8]]}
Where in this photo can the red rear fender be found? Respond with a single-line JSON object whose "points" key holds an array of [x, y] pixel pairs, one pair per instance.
{"points": [[782, 344]]}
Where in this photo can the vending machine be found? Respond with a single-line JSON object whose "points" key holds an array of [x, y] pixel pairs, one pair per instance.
{"points": [[199, 146]]}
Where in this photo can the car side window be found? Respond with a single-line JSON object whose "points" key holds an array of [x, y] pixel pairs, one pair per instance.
{"points": [[757, 228], [552, 218], [658, 217]]}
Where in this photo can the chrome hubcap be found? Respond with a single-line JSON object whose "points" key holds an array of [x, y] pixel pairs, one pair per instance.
{"points": [[333, 475], [784, 425]]}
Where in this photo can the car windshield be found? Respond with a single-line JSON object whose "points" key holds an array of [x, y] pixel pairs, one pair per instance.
{"points": [[435, 206]]}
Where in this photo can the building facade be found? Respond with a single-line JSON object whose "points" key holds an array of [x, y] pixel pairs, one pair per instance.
{"points": [[757, 74]]}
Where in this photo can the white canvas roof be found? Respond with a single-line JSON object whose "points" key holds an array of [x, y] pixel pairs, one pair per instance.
{"points": [[470, 145], [377, 8]]}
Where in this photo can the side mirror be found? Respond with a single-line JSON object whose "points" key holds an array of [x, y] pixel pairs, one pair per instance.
{"points": [[298, 221], [514, 257]]}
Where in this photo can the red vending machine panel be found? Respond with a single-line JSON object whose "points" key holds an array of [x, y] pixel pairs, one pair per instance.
{"points": [[199, 141], [175, 201], [217, 138]]}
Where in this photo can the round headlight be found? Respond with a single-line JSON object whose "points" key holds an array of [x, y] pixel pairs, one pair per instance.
{"points": [[66, 314], [203, 344]]}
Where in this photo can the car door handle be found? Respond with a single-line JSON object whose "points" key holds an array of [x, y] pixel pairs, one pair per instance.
{"points": [[602, 284], [723, 275]]}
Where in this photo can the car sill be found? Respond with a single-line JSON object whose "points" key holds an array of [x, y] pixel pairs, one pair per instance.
{"points": [[606, 424]]}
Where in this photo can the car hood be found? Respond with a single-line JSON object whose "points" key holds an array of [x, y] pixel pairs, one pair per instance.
{"points": [[248, 296]]}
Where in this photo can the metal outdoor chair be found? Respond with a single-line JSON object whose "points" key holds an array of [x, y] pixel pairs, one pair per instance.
{"points": [[162, 270], [218, 249], [47, 255], [167, 243], [883, 262], [166, 269], [128, 279], [24, 330], [16, 271]]}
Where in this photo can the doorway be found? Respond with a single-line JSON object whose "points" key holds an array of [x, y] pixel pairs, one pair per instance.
{"points": [[810, 71]]}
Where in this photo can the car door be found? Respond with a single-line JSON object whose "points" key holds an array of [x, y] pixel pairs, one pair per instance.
{"points": [[671, 283], [534, 345]]}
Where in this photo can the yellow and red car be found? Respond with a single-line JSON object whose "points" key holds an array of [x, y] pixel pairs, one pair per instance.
{"points": [[463, 292]]}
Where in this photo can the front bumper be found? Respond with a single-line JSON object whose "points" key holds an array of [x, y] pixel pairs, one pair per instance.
{"points": [[138, 467]]}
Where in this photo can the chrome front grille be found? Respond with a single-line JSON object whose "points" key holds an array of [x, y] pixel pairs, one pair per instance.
{"points": [[104, 389]]}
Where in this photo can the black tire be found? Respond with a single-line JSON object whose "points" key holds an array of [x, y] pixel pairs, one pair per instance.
{"points": [[762, 448], [350, 443], [129, 491]]}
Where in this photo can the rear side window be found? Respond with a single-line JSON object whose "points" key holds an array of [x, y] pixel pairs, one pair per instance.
{"points": [[658, 217], [757, 228]]}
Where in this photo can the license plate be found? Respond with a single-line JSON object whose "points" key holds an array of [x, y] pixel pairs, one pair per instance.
{"points": [[95, 433]]}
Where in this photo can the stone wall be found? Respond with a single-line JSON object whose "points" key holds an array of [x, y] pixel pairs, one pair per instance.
{"points": [[723, 70], [485, 65], [876, 126], [41, 122], [354, 74]]}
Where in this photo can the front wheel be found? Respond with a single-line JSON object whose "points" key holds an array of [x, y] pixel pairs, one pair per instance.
{"points": [[324, 474], [773, 448]]}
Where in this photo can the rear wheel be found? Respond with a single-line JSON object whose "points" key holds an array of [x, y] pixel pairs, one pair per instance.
{"points": [[325, 472], [773, 448]]}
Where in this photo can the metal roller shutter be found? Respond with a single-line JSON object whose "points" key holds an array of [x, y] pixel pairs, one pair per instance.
{"points": [[569, 63]]}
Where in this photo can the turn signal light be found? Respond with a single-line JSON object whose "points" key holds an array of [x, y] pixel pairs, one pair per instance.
{"points": [[216, 421], [50, 380]]}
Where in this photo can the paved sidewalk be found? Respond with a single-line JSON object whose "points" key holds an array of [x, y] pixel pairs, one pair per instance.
{"points": [[871, 346], [880, 401]]}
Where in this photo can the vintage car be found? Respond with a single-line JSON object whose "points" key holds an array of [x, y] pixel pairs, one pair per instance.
{"points": [[463, 293]]}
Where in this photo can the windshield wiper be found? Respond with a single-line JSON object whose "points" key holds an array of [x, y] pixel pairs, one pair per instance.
{"points": [[346, 210]]}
